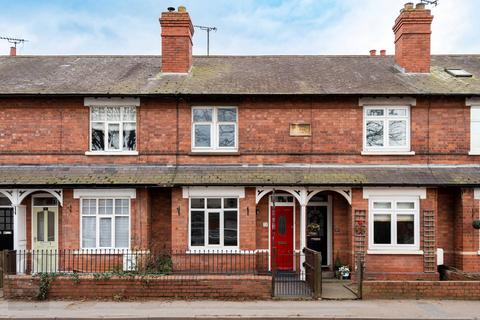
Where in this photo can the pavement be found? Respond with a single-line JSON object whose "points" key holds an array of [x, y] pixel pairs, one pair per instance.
{"points": [[353, 309]]}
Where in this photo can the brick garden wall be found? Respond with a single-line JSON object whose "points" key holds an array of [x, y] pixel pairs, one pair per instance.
{"points": [[201, 287], [460, 290]]}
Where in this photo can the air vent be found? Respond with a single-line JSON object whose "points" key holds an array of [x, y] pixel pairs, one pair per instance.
{"points": [[459, 73]]}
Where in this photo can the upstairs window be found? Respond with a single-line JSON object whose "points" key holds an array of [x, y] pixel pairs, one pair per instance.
{"points": [[113, 129], [214, 129], [475, 130], [386, 129]]}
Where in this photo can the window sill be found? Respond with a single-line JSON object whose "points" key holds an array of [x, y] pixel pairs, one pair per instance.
{"points": [[395, 252], [111, 153], [388, 153], [214, 153], [474, 153], [216, 250], [107, 251]]}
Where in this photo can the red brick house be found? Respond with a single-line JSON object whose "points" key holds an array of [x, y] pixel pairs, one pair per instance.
{"points": [[371, 157]]}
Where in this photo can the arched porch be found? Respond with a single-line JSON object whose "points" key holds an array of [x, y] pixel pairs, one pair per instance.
{"points": [[317, 213]]}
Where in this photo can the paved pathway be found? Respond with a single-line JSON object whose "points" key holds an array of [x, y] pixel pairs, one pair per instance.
{"points": [[378, 309]]}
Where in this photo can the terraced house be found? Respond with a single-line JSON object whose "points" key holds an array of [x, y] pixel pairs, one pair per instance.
{"points": [[372, 157]]}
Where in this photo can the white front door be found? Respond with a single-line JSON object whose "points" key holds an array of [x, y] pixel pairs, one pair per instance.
{"points": [[44, 234]]}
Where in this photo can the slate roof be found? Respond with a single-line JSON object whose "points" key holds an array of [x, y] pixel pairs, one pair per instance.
{"points": [[155, 175], [227, 75]]}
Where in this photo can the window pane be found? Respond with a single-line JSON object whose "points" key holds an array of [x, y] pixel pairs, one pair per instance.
{"points": [[382, 205], [113, 114], [375, 112], [98, 136], [114, 136], [121, 232], [198, 203], [105, 206], [88, 232], [398, 133], [229, 203], [214, 203], [40, 226], [129, 114], [44, 201], [197, 232], [405, 229], [97, 113], [382, 229], [214, 228], [129, 136], [105, 233], [375, 133], [405, 205], [51, 226], [121, 206], [226, 135], [89, 206], [397, 112], [230, 228], [202, 135], [202, 115], [227, 114], [282, 225]]}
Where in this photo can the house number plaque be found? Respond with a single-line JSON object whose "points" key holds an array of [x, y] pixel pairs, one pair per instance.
{"points": [[300, 130]]}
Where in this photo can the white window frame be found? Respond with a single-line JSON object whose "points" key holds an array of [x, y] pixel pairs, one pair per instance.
{"points": [[394, 212], [97, 222], [206, 246], [385, 119], [474, 121], [214, 130]]}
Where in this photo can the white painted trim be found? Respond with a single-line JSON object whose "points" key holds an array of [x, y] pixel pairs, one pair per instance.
{"points": [[388, 153], [104, 193], [474, 101], [476, 193], [109, 102], [387, 101], [111, 153], [211, 192], [393, 252], [394, 192]]}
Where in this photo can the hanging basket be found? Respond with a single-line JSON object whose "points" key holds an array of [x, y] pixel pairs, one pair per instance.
{"points": [[476, 224]]}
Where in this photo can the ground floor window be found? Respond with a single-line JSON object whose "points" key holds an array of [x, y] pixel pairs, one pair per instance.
{"points": [[213, 222], [105, 223], [394, 223]]}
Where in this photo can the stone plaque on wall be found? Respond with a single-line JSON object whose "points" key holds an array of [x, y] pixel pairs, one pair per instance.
{"points": [[300, 130]]}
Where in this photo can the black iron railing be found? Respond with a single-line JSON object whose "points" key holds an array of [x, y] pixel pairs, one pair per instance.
{"points": [[138, 262]]}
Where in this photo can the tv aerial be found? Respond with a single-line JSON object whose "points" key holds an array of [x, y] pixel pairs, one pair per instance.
{"points": [[208, 29], [430, 2]]}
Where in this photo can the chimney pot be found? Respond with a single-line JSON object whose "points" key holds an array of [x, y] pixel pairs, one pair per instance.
{"points": [[420, 6], [182, 9], [373, 52], [13, 51], [383, 52], [408, 6], [170, 9]]}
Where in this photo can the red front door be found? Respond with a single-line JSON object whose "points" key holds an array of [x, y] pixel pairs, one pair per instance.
{"points": [[282, 236]]}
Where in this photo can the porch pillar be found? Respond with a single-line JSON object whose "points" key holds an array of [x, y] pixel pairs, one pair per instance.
{"points": [[20, 234], [303, 228]]}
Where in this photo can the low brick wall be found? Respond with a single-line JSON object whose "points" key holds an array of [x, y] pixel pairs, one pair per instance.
{"points": [[181, 287], [458, 290]]}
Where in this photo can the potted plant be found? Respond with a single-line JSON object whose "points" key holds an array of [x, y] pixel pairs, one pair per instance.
{"points": [[344, 272], [312, 229], [476, 224]]}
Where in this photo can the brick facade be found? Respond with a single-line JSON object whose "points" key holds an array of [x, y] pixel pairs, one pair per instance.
{"points": [[172, 287]]}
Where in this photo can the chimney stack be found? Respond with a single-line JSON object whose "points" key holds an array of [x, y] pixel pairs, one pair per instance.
{"points": [[412, 38], [177, 33], [13, 51]]}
